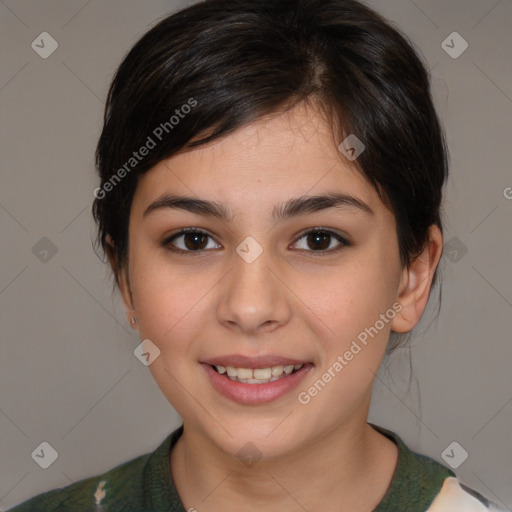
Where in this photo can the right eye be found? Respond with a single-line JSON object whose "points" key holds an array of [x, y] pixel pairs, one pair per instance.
{"points": [[191, 240]]}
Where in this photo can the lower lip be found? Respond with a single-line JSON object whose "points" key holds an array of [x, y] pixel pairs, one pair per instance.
{"points": [[255, 393]]}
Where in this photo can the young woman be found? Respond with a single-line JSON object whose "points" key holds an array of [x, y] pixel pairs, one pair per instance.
{"points": [[271, 182]]}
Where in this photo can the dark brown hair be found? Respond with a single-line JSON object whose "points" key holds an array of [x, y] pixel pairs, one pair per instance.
{"points": [[233, 61]]}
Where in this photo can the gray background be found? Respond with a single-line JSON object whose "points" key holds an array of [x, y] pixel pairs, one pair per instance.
{"points": [[68, 375]]}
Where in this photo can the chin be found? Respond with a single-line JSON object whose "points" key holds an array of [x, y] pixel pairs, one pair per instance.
{"points": [[265, 440]]}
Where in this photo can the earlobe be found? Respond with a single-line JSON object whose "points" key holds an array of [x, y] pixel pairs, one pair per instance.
{"points": [[416, 282]]}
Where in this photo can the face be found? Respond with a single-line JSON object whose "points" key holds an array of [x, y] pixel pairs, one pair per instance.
{"points": [[265, 286]]}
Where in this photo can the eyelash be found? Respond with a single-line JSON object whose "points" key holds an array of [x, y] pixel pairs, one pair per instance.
{"points": [[343, 241]]}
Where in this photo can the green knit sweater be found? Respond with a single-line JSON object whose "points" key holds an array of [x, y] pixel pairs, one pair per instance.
{"points": [[144, 484]]}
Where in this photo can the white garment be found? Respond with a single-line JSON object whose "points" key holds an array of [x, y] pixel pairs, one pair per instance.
{"points": [[453, 498]]}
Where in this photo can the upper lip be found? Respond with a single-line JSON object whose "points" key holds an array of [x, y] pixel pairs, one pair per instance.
{"points": [[240, 361]]}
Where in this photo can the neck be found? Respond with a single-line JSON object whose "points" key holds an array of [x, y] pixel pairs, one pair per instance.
{"points": [[350, 468]]}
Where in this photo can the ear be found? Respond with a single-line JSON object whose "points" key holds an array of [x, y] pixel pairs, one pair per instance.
{"points": [[415, 283], [123, 282]]}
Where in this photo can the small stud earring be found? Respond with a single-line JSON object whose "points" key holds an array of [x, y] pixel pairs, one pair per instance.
{"points": [[133, 320]]}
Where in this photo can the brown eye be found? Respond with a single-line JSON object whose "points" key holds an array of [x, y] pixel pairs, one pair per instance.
{"points": [[194, 241], [188, 240], [320, 240]]}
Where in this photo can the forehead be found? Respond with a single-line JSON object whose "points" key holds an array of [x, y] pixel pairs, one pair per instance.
{"points": [[263, 163]]}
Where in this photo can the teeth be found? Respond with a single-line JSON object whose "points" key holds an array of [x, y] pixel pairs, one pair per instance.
{"points": [[244, 373], [257, 375], [277, 370], [288, 369], [260, 373]]}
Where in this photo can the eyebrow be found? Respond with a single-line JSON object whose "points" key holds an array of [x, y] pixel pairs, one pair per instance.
{"points": [[294, 207]]}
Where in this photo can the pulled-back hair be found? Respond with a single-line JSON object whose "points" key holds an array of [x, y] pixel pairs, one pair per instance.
{"points": [[215, 66]]}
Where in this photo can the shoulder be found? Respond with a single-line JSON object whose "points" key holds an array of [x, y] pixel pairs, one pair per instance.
{"points": [[121, 488], [86, 494], [417, 479], [456, 497], [421, 484]]}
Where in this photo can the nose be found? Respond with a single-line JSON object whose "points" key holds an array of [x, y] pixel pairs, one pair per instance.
{"points": [[254, 299]]}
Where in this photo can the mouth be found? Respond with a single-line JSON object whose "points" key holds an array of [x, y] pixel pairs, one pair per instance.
{"points": [[256, 380]]}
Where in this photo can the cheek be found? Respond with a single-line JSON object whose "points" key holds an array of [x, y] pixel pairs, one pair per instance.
{"points": [[168, 299], [170, 305], [350, 303], [351, 297]]}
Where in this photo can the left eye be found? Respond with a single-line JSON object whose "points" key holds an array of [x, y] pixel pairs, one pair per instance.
{"points": [[193, 240], [320, 240]]}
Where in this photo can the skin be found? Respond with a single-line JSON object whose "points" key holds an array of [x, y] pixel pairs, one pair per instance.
{"points": [[290, 302]]}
